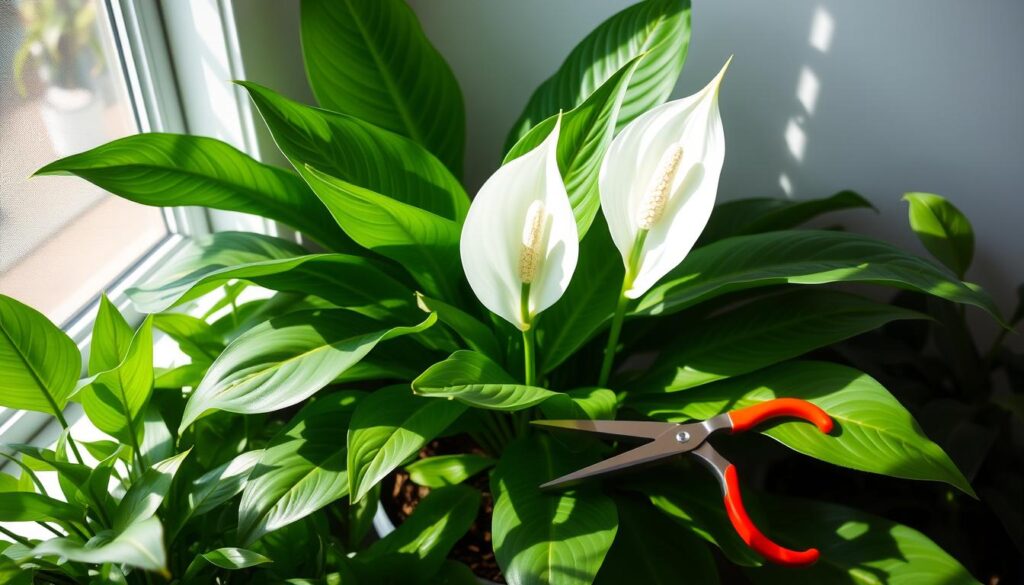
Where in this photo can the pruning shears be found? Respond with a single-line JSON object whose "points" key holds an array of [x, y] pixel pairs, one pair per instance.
{"points": [[669, 439]]}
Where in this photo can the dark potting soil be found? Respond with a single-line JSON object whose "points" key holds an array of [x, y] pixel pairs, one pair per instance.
{"points": [[400, 496]]}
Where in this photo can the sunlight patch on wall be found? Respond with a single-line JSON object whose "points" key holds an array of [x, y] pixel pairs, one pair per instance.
{"points": [[822, 27]]}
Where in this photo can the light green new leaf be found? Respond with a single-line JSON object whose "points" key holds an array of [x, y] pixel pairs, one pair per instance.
{"points": [[856, 548], [943, 229], [194, 336], [761, 333], [442, 470], [235, 558], [207, 263], [587, 304], [288, 359], [360, 153], [176, 169], [143, 499], [114, 399], [873, 431], [18, 506], [372, 61], [418, 547], [111, 338], [221, 483], [586, 132], [388, 427], [40, 363], [660, 28], [545, 538], [768, 214], [300, 471], [140, 545], [472, 378], [426, 244], [650, 549], [802, 257]]}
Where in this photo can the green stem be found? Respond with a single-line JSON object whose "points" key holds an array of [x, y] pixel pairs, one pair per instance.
{"points": [[529, 338], [51, 529], [620, 309], [19, 539]]}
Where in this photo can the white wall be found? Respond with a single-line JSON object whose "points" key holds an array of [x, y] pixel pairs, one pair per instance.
{"points": [[880, 96]]}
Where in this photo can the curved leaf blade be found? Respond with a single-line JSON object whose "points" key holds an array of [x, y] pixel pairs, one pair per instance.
{"points": [[474, 379], [140, 545], [442, 470], [233, 558], [371, 60], [943, 229], [18, 506], [767, 214], [144, 497]]}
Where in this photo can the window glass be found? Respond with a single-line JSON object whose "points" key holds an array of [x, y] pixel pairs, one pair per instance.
{"points": [[62, 91]]}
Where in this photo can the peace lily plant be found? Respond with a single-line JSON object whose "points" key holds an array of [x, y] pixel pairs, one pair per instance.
{"points": [[397, 354]]}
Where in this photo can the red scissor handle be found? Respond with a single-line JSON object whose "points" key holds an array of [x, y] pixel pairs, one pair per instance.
{"points": [[746, 418]]}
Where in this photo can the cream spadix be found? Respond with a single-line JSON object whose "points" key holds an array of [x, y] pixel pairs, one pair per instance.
{"points": [[519, 243], [658, 184]]}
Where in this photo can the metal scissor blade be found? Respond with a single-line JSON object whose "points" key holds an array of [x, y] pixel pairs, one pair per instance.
{"points": [[637, 429], [646, 453]]}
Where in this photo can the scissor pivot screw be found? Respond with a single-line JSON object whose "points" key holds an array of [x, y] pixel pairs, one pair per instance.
{"points": [[682, 436]]}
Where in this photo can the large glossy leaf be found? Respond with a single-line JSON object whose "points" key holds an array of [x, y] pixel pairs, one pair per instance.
{"points": [[301, 470], [111, 337], [371, 60], [587, 304], [172, 169], [943, 229], [442, 470], [221, 483], [18, 506], [140, 545], [586, 132], [235, 558], [761, 333], [361, 154], [418, 547], [425, 243], [147, 493], [873, 431], [660, 28], [767, 214], [472, 378], [206, 263], [40, 363], [286, 360], [543, 538], [856, 548], [114, 399], [193, 335], [802, 257], [651, 549], [388, 427]]}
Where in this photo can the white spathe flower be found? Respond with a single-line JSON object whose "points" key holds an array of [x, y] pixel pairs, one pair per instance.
{"points": [[520, 230], [660, 176]]}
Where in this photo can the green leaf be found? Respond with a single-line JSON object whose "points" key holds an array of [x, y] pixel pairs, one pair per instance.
{"points": [[194, 336], [235, 558], [660, 28], [40, 363], [943, 229], [207, 263], [286, 360], [221, 483], [301, 471], [140, 545], [454, 573], [873, 431], [442, 470], [542, 538], [114, 399], [802, 257], [426, 244], [477, 336], [372, 61], [763, 332], [582, 403], [176, 169], [143, 499], [587, 304], [768, 214], [586, 132], [388, 427], [474, 379], [856, 548], [17, 506], [650, 549], [360, 153], [111, 338], [418, 547]]}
